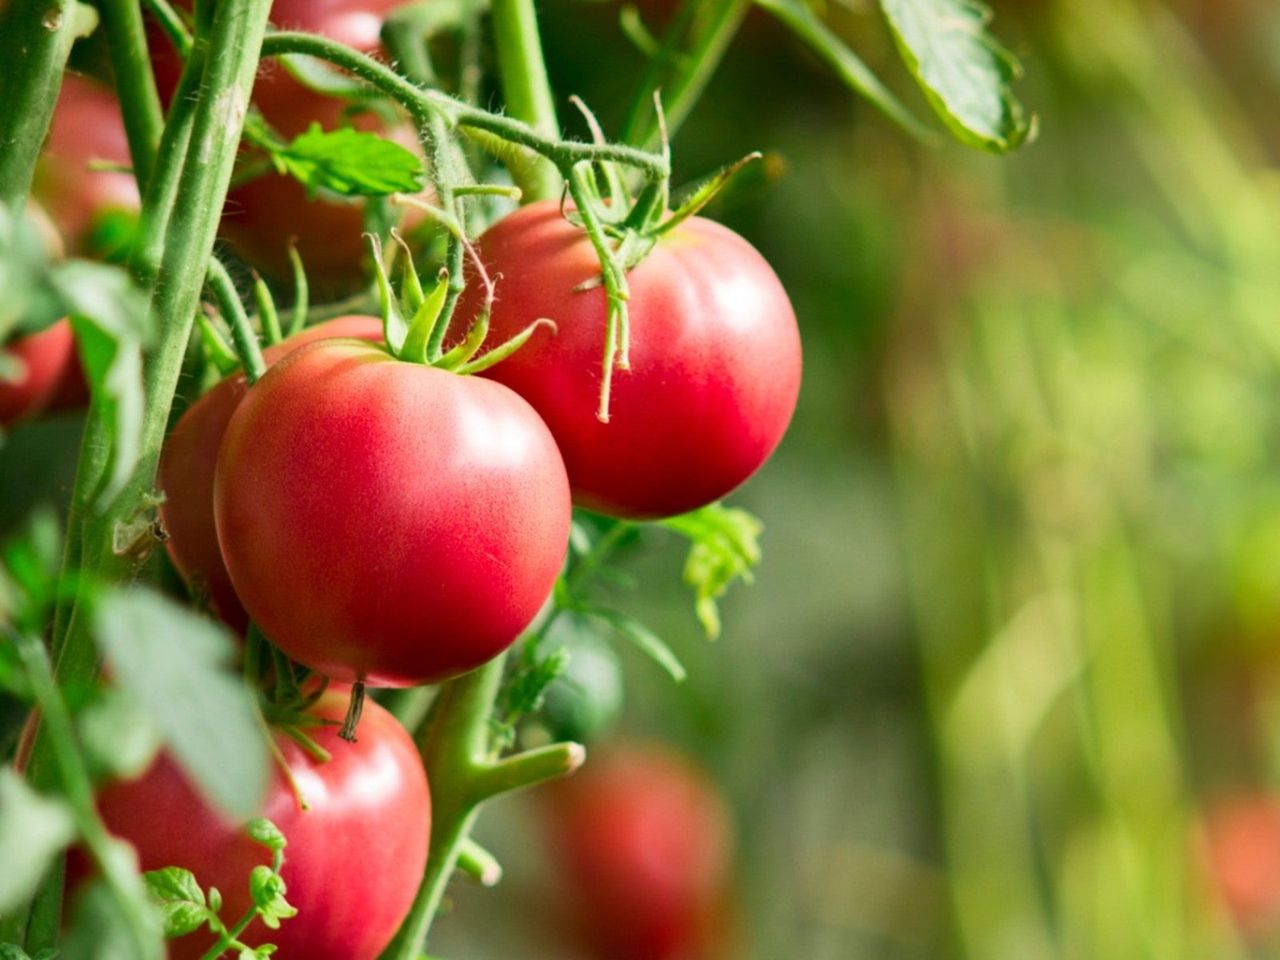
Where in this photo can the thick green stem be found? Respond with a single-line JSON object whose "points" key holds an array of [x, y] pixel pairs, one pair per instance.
{"points": [[526, 89], [135, 84], [691, 51], [35, 40]]}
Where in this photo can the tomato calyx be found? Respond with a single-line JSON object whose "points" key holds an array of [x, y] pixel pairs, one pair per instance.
{"points": [[415, 325]]}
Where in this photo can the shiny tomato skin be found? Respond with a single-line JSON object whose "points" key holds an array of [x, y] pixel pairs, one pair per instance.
{"points": [[386, 521], [87, 126], [643, 842], [49, 360], [187, 464], [715, 360], [354, 859]]}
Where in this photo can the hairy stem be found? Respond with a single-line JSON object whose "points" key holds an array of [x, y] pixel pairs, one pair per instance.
{"points": [[135, 84]]}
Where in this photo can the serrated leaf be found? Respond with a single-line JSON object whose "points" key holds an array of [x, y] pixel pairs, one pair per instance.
{"points": [[33, 830], [181, 901], [965, 73], [805, 24], [268, 889], [350, 162], [725, 546], [175, 665]]}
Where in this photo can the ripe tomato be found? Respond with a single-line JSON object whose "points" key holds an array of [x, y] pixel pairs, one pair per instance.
{"points": [[1242, 837], [354, 858], [49, 360], [643, 841], [715, 360], [87, 127], [187, 465], [386, 521]]}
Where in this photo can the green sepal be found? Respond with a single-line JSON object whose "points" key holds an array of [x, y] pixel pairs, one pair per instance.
{"points": [[416, 348]]}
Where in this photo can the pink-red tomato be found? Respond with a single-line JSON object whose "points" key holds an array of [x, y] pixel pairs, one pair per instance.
{"points": [[354, 858], [187, 464], [48, 360], [87, 127], [1242, 844], [643, 842], [387, 521], [715, 360]]}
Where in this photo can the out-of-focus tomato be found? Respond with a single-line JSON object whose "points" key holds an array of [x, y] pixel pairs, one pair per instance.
{"points": [[643, 840], [187, 464], [87, 127], [1242, 838], [49, 361], [354, 858]]}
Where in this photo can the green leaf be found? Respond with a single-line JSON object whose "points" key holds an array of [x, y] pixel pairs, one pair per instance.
{"points": [[965, 73], [101, 931], [117, 738], [267, 889], [725, 546], [805, 24], [263, 831], [180, 899], [11, 951], [109, 315], [350, 162], [174, 664], [33, 830], [648, 642]]}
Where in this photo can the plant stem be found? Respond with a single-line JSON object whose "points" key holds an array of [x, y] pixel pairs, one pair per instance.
{"points": [[457, 749], [122, 881], [563, 153], [246, 338], [35, 40], [691, 51], [135, 84], [527, 91]]}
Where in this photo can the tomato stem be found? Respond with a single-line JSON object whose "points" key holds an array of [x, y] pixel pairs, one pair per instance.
{"points": [[242, 332], [135, 83], [355, 707], [526, 89]]}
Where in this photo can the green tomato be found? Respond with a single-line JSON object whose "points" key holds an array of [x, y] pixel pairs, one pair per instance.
{"points": [[584, 702]]}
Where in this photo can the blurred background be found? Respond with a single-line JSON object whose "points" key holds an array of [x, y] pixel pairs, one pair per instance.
{"points": [[1008, 684]]}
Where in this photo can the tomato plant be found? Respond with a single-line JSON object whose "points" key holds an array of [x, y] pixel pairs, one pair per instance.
{"points": [[644, 841], [187, 469], [355, 557], [355, 852], [714, 360]]}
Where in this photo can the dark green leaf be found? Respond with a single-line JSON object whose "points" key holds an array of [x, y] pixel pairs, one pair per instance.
{"points": [[805, 24], [180, 899], [965, 73], [174, 664], [724, 547], [33, 830], [350, 162]]}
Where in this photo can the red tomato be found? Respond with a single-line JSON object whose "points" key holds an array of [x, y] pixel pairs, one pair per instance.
{"points": [[187, 464], [644, 844], [386, 521], [87, 126], [354, 858], [715, 360], [1242, 836], [49, 360]]}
